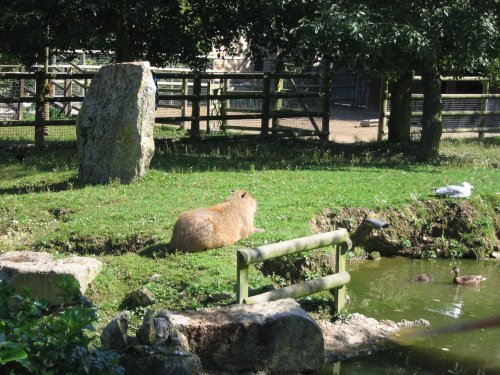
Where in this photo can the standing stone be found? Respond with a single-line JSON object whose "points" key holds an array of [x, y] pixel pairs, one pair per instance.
{"points": [[115, 124]]}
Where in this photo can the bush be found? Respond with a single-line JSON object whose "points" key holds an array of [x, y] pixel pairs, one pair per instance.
{"points": [[34, 340]]}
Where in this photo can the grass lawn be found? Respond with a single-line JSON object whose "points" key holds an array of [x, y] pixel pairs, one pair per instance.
{"points": [[128, 227]]}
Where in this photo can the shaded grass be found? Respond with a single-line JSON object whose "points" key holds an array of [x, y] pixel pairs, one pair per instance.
{"points": [[44, 207]]}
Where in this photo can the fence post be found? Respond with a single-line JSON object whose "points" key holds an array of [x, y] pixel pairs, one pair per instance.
{"points": [[21, 94], [266, 103], [209, 102], [484, 107], [382, 110], [39, 109], [241, 278], [325, 120], [184, 102], [278, 103], [195, 111], [224, 103], [339, 294], [68, 89]]}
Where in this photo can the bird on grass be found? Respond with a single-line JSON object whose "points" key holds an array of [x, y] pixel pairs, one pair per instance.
{"points": [[464, 190], [425, 277], [466, 280]]}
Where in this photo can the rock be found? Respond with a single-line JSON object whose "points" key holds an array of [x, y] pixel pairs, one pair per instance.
{"points": [[495, 254], [275, 337], [115, 124], [115, 334], [154, 330], [55, 280], [140, 297], [161, 360], [374, 255], [360, 335]]}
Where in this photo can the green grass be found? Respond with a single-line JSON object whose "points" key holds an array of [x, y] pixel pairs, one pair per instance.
{"points": [[128, 227]]}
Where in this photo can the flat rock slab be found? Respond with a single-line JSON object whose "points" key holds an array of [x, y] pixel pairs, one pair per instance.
{"points": [[360, 335], [274, 337], [42, 274]]}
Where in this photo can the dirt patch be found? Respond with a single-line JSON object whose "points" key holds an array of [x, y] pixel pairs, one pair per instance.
{"points": [[433, 228]]}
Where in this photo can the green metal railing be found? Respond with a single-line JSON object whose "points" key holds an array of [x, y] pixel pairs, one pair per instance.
{"points": [[336, 282]]}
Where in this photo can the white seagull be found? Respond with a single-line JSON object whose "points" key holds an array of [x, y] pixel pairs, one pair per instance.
{"points": [[463, 190]]}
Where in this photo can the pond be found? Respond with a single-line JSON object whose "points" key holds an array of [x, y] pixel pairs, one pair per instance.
{"points": [[383, 290]]}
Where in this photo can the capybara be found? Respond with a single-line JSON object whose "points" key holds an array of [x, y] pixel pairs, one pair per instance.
{"points": [[216, 226]]}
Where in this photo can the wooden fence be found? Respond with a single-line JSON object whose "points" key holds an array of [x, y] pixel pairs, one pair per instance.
{"points": [[336, 282], [197, 94], [477, 112]]}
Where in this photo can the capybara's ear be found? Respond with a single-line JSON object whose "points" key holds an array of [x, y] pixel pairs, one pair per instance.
{"points": [[232, 191], [243, 195]]}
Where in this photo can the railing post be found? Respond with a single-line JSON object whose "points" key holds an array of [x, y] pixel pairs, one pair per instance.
{"points": [[484, 107], [21, 94], [266, 103], [339, 294], [325, 120], [195, 111], [384, 92], [241, 278]]}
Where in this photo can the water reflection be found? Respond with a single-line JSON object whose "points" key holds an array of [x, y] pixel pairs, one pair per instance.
{"points": [[385, 290]]}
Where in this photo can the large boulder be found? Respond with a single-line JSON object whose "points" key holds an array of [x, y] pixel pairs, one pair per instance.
{"points": [[274, 337], [115, 124], [55, 280]]}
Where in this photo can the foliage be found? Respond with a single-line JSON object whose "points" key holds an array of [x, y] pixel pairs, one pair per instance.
{"points": [[160, 31], [398, 37], [35, 341]]}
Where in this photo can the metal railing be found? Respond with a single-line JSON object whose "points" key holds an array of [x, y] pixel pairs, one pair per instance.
{"points": [[336, 282]]}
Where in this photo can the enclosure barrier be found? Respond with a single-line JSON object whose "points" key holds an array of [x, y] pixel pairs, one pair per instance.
{"points": [[337, 281], [206, 89], [481, 117]]}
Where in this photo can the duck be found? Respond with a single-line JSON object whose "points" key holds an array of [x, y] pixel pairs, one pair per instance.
{"points": [[425, 277], [466, 280]]}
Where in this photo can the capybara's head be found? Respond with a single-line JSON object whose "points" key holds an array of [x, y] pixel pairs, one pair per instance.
{"points": [[240, 194]]}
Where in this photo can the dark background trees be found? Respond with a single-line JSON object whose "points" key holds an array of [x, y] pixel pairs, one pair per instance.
{"points": [[399, 38], [394, 39]]}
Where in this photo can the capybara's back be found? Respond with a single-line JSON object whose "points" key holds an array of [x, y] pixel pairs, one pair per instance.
{"points": [[216, 226]]}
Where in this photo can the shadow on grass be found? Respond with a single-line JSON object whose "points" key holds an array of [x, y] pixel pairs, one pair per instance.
{"points": [[229, 155], [158, 250], [276, 154]]}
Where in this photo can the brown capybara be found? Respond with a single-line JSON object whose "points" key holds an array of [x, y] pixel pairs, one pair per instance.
{"points": [[216, 226]]}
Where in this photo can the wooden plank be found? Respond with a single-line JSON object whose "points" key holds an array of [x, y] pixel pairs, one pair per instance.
{"points": [[302, 289]]}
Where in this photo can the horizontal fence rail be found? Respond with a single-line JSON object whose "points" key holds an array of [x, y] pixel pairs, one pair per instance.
{"points": [[336, 282]]}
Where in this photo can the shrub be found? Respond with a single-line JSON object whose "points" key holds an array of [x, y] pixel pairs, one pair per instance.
{"points": [[36, 340]]}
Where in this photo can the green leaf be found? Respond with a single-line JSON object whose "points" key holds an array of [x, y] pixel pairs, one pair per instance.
{"points": [[9, 355]]}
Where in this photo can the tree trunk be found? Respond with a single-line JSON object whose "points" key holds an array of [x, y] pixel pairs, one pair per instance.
{"points": [[432, 122], [122, 43], [400, 117]]}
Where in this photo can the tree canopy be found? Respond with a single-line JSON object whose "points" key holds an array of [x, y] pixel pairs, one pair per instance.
{"points": [[160, 31], [396, 38]]}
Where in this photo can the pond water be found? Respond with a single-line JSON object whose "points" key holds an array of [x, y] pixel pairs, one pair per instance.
{"points": [[383, 290]]}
